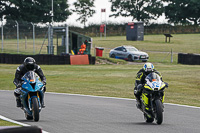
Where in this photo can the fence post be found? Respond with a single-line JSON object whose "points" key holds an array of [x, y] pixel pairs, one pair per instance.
{"points": [[67, 39], [2, 35], [25, 42], [33, 38], [49, 39], [171, 56], [17, 36]]}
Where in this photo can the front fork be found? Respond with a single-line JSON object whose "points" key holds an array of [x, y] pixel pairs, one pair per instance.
{"points": [[148, 103], [160, 97], [30, 101]]}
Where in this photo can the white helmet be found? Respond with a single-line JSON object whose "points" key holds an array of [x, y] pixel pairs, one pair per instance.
{"points": [[148, 67]]}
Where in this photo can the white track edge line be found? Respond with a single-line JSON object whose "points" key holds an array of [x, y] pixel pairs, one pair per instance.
{"points": [[16, 122], [188, 106], [12, 121]]}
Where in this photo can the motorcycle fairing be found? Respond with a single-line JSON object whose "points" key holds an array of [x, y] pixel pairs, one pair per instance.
{"points": [[31, 87]]}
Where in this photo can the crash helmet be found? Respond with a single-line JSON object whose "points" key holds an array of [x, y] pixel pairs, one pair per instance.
{"points": [[148, 67], [29, 63]]}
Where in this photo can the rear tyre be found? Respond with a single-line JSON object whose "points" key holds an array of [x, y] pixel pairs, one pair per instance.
{"points": [[35, 109], [158, 112], [28, 117], [112, 56], [130, 58], [147, 119]]}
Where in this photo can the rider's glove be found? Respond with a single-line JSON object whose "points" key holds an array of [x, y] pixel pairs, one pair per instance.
{"points": [[19, 85], [167, 85], [44, 82], [18, 90]]}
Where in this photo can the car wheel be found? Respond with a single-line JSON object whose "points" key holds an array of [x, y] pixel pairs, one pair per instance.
{"points": [[112, 56], [130, 58]]}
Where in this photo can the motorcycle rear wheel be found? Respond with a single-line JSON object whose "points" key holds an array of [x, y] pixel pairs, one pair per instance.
{"points": [[35, 109], [158, 112]]}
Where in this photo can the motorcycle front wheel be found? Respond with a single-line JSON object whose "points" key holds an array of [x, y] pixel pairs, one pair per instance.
{"points": [[158, 112], [35, 109]]}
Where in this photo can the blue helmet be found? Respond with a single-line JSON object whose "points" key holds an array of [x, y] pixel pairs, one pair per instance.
{"points": [[148, 67]]}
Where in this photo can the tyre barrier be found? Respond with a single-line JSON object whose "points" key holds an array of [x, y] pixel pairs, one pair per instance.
{"points": [[42, 59], [189, 59]]}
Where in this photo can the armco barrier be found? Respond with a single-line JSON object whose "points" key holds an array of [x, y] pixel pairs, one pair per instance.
{"points": [[190, 59], [40, 59]]}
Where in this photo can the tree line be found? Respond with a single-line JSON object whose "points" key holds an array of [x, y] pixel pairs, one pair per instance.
{"points": [[179, 12]]}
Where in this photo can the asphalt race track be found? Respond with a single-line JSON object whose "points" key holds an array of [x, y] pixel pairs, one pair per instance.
{"points": [[84, 114]]}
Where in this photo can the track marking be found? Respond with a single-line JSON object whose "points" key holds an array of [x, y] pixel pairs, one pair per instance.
{"points": [[12, 121], [187, 106], [128, 99], [16, 122]]}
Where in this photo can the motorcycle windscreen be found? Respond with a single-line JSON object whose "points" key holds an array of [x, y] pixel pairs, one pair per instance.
{"points": [[153, 81], [32, 82], [30, 77], [153, 77]]}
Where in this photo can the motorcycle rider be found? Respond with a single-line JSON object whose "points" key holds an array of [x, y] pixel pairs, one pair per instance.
{"points": [[140, 80], [29, 64]]}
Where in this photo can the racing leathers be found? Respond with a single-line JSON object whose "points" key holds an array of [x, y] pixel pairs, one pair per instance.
{"points": [[21, 70], [139, 84]]}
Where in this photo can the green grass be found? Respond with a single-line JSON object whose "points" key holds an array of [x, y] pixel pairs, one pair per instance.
{"points": [[186, 43], [6, 123], [118, 80], [114, 80], [154, 45]]}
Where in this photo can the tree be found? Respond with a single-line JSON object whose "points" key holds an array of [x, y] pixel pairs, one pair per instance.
{"points": [[183, 11], [84, 9], [34, 10], [140, 10]]}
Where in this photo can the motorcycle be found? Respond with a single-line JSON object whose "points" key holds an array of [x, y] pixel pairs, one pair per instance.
{"points": [[32, 94], [152, 98]]}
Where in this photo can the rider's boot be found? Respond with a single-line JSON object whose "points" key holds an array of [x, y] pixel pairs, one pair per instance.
{"points": [[42, 104], [18, 101], [138, 103], [42, 100], [17, 95]]}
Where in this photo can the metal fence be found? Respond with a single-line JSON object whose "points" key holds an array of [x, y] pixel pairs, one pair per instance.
{"points": [[22, 37]]}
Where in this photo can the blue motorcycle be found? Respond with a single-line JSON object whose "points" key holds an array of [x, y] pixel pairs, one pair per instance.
{"points": [[32, 94]]}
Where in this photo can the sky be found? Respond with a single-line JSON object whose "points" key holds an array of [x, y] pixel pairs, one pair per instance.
{"points": [[98, 16]]}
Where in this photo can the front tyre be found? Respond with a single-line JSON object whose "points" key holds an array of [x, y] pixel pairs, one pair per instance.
{"points": [[158, 112], [35, 109]]}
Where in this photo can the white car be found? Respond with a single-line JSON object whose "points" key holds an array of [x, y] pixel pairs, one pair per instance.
{"points": [[129, 53]]}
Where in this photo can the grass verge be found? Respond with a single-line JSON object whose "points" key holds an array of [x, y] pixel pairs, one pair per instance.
{"points": [[6, 123], [113, 80]]}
